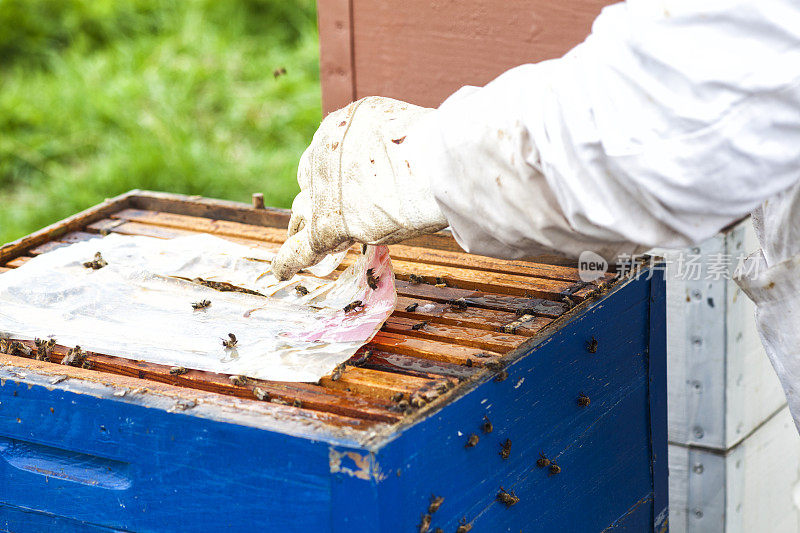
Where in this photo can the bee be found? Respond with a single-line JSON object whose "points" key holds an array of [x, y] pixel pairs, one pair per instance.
{"points": [[468, 362], [424, 523], [505, 449], [472, 441], [261, 394], [542, 461], [278, 72], [178, 370], [403, 404], [363, 249], [17, 348], [372, 279], [361, 360], [238, 381], [302, 291], [41, 350], [464, 527], [438, 530], [337, 372], [458, 303], [413, 278], [74, 357], [436, 502], [591, 345], [44, 349], [418, 326], [501, 376], [413, 307], [400, 140], [279, 401], [397, 397], [507, 498], [554, 469], [440, 282], [487, 426], [231, 341], [583, 400], [97, 263], [297, 403], [202, 304], [352, 306], [417, 401], [569, 301]]}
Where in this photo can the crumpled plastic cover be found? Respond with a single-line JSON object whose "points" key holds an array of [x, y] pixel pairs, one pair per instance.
{"points": [[140, 306]]}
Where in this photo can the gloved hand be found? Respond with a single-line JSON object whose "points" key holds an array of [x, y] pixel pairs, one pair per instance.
{"points": [[358, 184]]}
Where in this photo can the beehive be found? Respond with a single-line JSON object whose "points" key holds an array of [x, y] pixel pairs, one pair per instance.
{"points": [[532, 361]]}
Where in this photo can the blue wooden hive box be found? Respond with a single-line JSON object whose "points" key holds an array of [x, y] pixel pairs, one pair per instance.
{"points": [[537, 403]]}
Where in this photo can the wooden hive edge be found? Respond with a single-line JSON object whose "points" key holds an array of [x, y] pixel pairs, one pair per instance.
{"points": [[182, 401]]}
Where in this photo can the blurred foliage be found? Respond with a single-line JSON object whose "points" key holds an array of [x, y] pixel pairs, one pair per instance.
{"points": [[98, 97]]}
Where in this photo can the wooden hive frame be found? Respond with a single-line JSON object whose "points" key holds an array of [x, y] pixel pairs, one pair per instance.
{"points": [[511, 306]]}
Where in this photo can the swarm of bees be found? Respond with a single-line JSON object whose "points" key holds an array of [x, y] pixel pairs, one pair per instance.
{"points": [[372, 279], [505, 449], [202, 304], [230, 342], [507, 498], [97, 263], [352, 306]]}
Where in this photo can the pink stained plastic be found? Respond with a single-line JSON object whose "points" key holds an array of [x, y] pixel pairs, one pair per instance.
{"points": [[365, 320]]}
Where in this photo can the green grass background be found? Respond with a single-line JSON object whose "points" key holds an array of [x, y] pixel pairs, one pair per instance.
{"points": [[98, 97]]}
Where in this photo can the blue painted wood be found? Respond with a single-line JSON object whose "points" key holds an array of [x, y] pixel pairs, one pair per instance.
{"points": [[657, 395], [603, 449], [94, 462], [190, 473]]}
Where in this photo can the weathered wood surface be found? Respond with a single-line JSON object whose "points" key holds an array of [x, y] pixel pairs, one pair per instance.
{"points": [[432, 342], [425, 51]]}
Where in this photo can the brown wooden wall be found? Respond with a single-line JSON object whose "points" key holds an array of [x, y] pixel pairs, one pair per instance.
{"points": [[423, 50]]}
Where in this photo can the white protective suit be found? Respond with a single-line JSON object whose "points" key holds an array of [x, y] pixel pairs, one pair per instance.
{"points": [[672, 120]]}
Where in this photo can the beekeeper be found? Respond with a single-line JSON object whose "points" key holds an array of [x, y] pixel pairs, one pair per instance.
{"points": [[671, 121]]}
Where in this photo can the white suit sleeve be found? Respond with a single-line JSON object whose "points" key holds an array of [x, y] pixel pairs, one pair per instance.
{"points": [[672, 120]]}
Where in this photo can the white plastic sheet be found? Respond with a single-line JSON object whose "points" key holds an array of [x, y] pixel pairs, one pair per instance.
{"points": [[139, 307]]}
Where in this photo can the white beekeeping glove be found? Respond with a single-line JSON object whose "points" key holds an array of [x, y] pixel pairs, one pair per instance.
{"points": [[358, 185]]}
